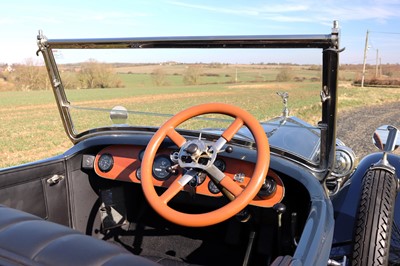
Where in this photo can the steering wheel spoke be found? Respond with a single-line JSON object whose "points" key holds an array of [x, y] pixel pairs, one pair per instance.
{"points": [[231, 186], [215, 174], [233, 129], [177, 138], [176, 186], [226, 182]]}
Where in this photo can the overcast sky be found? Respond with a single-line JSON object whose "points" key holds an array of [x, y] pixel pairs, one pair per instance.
{"points": [[20, 21]]}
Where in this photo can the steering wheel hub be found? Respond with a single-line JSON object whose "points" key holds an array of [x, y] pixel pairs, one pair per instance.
{"points": [[195, 154]]}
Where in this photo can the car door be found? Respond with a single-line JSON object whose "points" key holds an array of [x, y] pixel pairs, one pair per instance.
{"points": [[39, 188]]}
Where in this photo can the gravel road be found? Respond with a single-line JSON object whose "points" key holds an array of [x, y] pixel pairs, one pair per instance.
{"points": [[355, 127]]}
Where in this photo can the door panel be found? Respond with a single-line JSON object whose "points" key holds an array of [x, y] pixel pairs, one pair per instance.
{"points": [[27, 188]]}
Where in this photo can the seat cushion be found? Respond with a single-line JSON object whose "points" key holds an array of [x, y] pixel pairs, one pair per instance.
{"points": [[28, 240]]}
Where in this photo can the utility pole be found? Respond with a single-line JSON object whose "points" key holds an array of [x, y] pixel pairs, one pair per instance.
{"points": [[365, 60], [380, 67], [376, 65], [236, 76]]}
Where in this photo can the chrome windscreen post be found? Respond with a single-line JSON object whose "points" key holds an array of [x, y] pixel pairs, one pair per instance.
{"points": [[58, 90]]}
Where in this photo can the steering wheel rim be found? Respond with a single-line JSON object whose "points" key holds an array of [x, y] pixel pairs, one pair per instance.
{"points": [[242, 196]]}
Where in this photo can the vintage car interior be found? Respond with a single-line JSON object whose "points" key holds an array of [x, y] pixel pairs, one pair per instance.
{"points": [[95, 189], [130, 195]]}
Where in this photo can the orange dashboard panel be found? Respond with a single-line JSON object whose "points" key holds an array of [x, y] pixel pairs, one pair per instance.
{"points": [[123, 162]]}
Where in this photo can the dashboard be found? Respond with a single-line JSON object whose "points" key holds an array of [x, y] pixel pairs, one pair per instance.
{"points": [[123, 163]]}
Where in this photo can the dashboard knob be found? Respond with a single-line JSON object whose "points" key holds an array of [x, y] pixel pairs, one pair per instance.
{"points": [[279, 208]]}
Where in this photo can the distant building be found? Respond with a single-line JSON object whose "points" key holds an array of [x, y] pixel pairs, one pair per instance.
{"points": [[8, 69]]}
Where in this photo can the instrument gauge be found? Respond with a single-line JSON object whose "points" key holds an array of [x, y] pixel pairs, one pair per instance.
{"points": [[161, 167], [220, 164], [139, 173], [106, 162], [213, 188]]}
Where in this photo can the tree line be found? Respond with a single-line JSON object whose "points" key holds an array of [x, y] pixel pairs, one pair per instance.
{"points": [[32, 76]]}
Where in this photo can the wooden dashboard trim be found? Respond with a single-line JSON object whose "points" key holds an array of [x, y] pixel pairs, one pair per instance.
{"points": [[126, 164]]}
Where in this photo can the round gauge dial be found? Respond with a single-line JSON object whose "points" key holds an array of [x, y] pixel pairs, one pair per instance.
{"points": [[139, 173], [198, 179], [220, 164], [213, 188], [105, 162], [160, 167]]}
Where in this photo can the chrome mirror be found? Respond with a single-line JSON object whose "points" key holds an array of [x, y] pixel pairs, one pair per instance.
{"points": [[386, 138], [119, 115]]}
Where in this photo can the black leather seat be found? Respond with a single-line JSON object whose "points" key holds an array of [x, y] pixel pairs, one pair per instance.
{"points": [[28, 240]]}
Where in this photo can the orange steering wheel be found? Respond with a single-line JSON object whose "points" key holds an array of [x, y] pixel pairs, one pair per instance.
{"points": [[196, 149]]}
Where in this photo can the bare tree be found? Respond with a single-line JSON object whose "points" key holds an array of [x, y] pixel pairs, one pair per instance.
{"points": [[70, 80], [94, 74], [30, 76], [159, 77], [285, 74], [192, 75]]}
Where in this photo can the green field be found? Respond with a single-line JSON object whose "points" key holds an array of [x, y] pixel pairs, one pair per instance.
{"points": [[31, 128]]}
